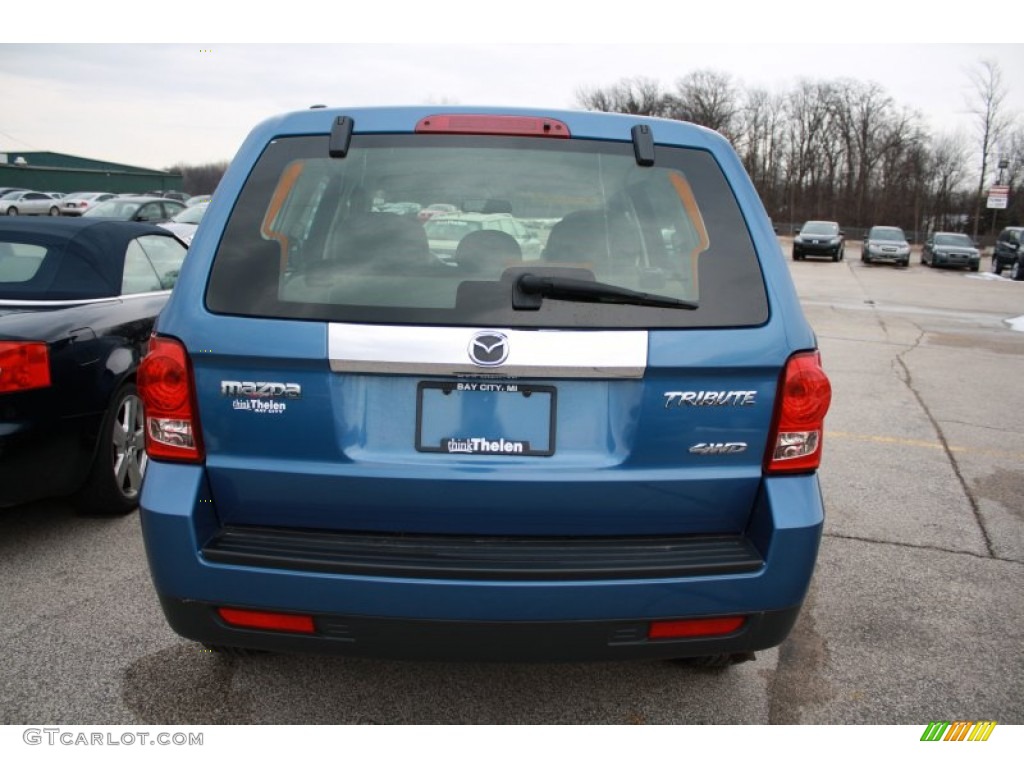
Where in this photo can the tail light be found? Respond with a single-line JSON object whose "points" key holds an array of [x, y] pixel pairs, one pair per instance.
{"points": [[804, 396], [24, 365], [168, 396]]}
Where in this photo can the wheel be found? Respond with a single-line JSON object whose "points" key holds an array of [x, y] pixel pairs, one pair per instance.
{"points": [[55, 211], [1017, 271], [864, 257], [997, 268], [905, 262], [12, 211], [115, 478], [975, 267], [836, 256]]}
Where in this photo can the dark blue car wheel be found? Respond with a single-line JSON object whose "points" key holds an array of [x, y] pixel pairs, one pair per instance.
{"points": [[115, 478]]}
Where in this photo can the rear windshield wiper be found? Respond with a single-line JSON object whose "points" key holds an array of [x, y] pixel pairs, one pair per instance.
{"points": [[530, 288]]}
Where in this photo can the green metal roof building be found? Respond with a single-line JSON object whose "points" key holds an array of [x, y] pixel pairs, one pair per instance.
{"points": [[55, 172]]}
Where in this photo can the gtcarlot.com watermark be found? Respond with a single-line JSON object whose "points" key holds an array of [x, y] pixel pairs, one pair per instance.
{"points": [[74, 738]]}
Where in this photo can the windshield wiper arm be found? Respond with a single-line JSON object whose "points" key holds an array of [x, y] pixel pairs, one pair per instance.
{"points": [[530, 288]]}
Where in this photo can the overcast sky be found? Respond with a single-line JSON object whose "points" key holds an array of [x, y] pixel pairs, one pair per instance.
{"points": [[160, 103]]}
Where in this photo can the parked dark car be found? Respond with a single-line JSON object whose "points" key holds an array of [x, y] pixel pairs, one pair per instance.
{"points": [[136, 208], [819, 238], [607, 452], [950, 249], [78, 298], [1007, 253], [886, 244]]}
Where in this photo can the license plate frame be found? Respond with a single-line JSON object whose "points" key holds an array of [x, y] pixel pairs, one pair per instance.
{"points": [[522, 405]]}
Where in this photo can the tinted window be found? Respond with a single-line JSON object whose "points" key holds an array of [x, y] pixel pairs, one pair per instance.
{"points": [[165, 255], [820, 228], [338, 239], [887, 233], [139, 275], [19, 263]]}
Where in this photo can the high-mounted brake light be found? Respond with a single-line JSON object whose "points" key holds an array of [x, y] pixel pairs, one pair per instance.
{"points": [[801, 404], [165, 385], [24, 365], [500, 125]]}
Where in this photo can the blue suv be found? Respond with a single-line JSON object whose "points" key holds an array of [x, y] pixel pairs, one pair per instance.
{"points": [[596, 442]]}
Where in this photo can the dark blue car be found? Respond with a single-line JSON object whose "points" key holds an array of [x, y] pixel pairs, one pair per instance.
{"points": [[604, 447], [78, 298]]}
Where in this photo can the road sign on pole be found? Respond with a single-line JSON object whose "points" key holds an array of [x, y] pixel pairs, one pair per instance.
{"points": [[998, 195]]}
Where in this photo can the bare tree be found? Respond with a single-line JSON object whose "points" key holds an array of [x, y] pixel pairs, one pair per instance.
{"points": [[946, 174], [708, 98], [985, 102], [631, 95]]}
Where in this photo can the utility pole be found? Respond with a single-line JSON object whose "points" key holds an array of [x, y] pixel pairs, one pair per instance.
{"points": [[1003, 165]]}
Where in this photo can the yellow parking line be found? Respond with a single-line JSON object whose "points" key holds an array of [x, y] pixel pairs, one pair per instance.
{"points": [[934, 444]]}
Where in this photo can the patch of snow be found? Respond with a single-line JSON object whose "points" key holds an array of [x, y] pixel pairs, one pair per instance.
{"points": [[1016, 323], [987, 276]]}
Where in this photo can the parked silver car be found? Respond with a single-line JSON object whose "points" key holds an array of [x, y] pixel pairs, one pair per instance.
{"points": [[22, 203], [78, 203], [886, 244]]}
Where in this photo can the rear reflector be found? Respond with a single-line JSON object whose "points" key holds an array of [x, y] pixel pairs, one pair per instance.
{"points": [[501, 125], [281, 622], [668, 630], [24, 365]]}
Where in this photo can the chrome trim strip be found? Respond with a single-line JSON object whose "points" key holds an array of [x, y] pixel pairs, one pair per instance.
{"points": [[78, 302], [433, 351]]}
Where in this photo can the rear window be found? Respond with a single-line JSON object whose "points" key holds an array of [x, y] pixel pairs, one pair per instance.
{"points": [[339, 239]]}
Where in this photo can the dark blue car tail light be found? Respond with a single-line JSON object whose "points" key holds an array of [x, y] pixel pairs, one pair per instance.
{"points": [[165, 385], [805, 394], [24, 365], [499, 125]]}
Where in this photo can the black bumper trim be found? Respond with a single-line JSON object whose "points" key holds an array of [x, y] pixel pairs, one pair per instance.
{"points": [[487, 558], [508, 641]]}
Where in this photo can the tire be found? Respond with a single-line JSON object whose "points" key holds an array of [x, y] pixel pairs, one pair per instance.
{"points": [[975, 267], [905, 263], [1017, 271], [12, 211], [836, 256], [115, 478], [997, 268], [55, 211], [865, 258]]}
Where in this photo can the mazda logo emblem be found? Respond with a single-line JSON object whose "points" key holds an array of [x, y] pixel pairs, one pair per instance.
{"points": [[488, 348]]}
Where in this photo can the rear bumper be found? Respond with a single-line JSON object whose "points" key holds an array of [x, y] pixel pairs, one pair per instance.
{"points": [[454, 616], [513, 641]]}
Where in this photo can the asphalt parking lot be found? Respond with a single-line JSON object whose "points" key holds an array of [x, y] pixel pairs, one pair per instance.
{"points": [[915, 612]]}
